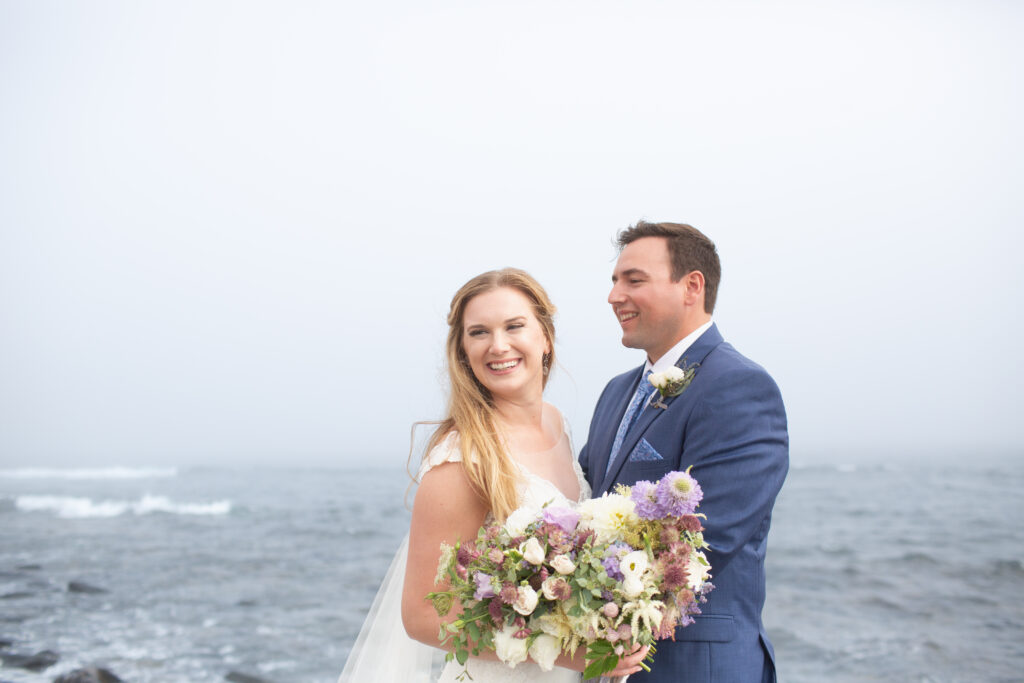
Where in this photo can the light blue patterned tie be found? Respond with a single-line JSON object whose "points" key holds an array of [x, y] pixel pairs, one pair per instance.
{"points": [[639, 399]]}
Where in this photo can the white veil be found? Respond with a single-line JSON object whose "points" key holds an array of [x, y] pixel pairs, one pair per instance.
{"points": [[382, 651]]}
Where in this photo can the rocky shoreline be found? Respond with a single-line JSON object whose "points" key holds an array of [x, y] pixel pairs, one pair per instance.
{"points": [[40, 661]]}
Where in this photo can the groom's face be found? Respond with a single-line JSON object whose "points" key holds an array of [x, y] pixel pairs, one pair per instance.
{"points": [[648, 305]]}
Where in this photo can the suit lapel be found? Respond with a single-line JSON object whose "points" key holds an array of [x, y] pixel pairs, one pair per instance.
{"points": [[695, 354], [613, 418]]}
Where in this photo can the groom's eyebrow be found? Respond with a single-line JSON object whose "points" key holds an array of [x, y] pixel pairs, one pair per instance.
{"points": [[628, 272]]}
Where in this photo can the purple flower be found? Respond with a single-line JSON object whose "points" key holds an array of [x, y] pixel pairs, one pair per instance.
{"points": [[645, 495], [563, 517], [494, 608], [612, 558], [611, 566], [484, 586], [679, 493]]}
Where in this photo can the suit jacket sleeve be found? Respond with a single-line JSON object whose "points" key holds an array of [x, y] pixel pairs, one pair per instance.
{"points": [[739, 446], [586, 456]]}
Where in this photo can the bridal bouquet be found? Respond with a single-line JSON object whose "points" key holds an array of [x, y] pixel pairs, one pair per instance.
{"points": [[612, 572]]}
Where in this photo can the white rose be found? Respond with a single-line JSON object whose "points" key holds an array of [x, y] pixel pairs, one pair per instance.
{"points": [[509, 649], [548, 587], [673, 374], [533, 551], [696, 571], [632, 586], [526, 600], [545, 651], [657, 379], [634, 564], [563, 565]]}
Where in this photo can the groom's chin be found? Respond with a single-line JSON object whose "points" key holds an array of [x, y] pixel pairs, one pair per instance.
{"points": [[630, 342]]}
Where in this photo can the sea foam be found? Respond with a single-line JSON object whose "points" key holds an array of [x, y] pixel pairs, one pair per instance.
{"points": [[74, 507]]}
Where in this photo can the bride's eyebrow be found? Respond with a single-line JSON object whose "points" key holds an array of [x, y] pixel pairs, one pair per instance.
{"points": [[481, 326]]}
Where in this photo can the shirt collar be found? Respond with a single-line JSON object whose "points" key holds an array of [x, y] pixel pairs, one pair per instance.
{"points": [[677, 351]]}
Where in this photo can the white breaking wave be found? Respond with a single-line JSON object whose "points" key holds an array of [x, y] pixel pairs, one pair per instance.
{"points": [[72, 507], [90, 473]]}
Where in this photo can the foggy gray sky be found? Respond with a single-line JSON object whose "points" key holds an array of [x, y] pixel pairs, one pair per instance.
{"points": [[229, 231]]}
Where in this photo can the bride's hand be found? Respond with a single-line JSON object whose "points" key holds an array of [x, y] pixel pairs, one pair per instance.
{"points": [[630, 663]]}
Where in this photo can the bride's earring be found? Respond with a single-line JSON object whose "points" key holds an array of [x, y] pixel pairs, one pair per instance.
{"points": [[546, 363]]}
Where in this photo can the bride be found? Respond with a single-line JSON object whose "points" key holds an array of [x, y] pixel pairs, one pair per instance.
{"points": [[499, 448]]}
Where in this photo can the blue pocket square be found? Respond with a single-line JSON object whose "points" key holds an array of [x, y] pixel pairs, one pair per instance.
{"points": [[644, 452]]}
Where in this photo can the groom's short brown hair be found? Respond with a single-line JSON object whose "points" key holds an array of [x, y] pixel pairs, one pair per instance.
{"points": [[689, 249]]}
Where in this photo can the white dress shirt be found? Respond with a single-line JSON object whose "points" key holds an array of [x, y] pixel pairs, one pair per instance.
{"points": [[677, 351]]}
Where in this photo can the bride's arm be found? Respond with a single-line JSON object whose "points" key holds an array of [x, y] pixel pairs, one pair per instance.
{"points": [[446, 509]]}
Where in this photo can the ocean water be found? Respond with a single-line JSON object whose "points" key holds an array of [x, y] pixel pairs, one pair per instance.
{"points": [[874, 573]]}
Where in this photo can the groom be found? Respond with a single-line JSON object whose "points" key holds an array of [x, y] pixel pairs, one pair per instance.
{"points": [[728, 423]]}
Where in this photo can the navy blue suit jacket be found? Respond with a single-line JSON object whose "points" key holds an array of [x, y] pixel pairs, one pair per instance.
{"points": [[730, 425]]}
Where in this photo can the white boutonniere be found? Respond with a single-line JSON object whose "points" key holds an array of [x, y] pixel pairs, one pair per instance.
{"points": [[671, 382]]}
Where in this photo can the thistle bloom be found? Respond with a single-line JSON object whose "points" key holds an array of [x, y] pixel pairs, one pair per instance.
{"points": [[508, 594], [674, 576], [679, 493], [494, 608]]}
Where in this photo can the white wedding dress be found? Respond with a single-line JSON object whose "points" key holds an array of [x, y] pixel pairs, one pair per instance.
{"points": [[383, 653]]}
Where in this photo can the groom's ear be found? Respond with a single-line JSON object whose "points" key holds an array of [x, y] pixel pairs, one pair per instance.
{"points": [[693, 285]]}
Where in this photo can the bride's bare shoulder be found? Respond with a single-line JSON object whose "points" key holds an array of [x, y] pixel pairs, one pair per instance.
{"points": [[554, 420]]}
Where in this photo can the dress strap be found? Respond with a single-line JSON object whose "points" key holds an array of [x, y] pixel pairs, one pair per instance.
{"points": [[446, 451]]}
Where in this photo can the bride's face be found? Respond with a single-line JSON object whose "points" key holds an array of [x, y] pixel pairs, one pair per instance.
{"points": [[505, 344]]}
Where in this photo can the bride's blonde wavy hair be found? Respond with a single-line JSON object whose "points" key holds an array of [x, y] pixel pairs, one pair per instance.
{"points": [[471, 410]]}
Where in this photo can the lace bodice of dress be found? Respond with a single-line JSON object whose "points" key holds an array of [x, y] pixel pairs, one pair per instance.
{"points": [[534, 490]]}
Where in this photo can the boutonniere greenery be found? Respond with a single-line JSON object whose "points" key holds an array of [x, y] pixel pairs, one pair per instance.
{"points": [[672, 382]]}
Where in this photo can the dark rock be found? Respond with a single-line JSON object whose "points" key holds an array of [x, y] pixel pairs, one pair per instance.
{"points": [[37, 662], [5, 643], [13, 618], [236, 677], [83, 587], [90, 675], [15, 595]]}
